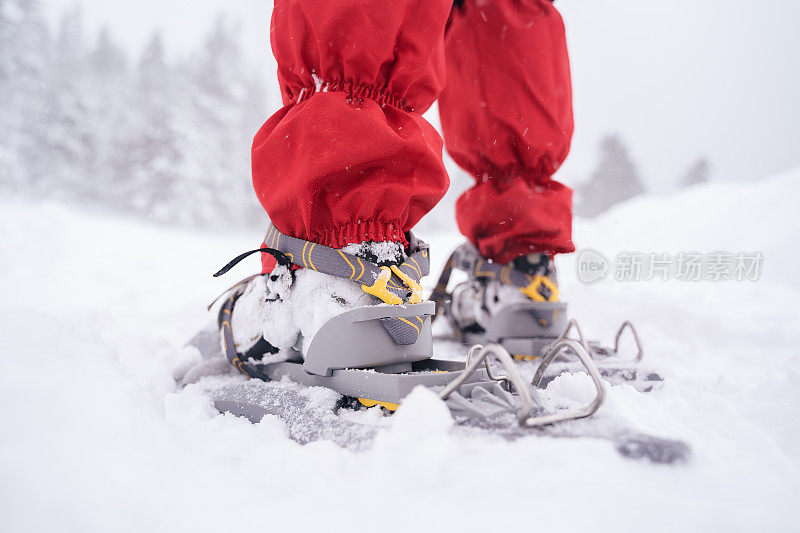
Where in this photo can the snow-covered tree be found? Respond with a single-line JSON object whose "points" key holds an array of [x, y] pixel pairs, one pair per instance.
{"points": [[24, 49], [221, 106], [169, 141], [107, 60], [146, 158], [697, 173], [69, 143], [109, 114], [615, 180]]}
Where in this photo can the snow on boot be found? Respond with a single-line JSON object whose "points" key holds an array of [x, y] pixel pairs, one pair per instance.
{"points": [[275, 316]]}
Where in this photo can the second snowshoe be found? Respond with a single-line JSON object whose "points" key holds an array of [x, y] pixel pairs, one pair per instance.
{"points": [[517, 306]]}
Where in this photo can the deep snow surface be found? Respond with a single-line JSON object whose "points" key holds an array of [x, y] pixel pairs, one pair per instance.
{"points": [[95, 437]]}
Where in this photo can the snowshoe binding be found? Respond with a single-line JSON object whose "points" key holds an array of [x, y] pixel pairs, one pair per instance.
{"points": [[517, 306]]}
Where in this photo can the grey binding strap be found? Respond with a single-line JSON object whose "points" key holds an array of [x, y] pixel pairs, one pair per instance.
{"points": [[440, 294], [226, 334], [467, 258], [394, 285]]}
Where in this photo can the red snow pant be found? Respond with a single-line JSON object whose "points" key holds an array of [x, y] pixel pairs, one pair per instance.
{"points": [[349, 157]]}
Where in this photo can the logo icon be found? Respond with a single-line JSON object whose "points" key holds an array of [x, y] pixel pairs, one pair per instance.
{"points": [[592, 266]]}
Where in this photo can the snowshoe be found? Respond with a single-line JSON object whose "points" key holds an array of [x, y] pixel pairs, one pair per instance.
{"points": [[517, 306], [372, 355]]}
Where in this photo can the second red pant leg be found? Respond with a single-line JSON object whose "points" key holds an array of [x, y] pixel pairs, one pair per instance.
{"points": [[507, 119]]}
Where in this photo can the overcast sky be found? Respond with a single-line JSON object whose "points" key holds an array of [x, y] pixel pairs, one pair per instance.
{"points": [[677, 79]]}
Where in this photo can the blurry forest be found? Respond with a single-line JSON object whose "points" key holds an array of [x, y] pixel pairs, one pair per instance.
{"points": [[616, 179], [84, 123]]}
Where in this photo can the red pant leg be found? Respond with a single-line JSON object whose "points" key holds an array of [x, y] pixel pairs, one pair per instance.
{"points": [[349, 157], [507, 119]]}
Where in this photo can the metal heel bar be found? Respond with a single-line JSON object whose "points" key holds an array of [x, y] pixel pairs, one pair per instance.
{"points": [[639, 346], [565, 335], [583, 355], [582, 340]]}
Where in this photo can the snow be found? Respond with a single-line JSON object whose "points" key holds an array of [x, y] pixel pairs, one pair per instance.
{"points": [[383, 251], [96, 437], [312, 300]]}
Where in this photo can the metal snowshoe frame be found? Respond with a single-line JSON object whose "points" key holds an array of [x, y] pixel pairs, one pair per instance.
{"points": [[603, 355], [515, 380], [382, 352]]}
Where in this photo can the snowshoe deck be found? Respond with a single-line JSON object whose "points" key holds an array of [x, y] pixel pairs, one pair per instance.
{"points": [[312, 410], [317, 414]]}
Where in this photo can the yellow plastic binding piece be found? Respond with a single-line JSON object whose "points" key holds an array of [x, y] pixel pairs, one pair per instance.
{"points": [[532, 290], [416, 288], [379, 290], [366, 402]]}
